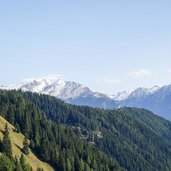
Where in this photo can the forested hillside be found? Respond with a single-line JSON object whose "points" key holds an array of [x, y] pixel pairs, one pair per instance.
{"points": [[136, 138], [71, 137], [57, 144]]}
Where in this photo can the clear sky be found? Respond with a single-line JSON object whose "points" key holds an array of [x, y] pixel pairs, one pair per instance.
{"points": [[108, 45]]}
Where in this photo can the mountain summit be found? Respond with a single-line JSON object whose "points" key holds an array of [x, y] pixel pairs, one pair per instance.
{"points": [[139, 93], [157, 99], [68, 91]]}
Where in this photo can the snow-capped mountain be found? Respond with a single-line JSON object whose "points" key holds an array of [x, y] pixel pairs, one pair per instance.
{"points": [[54, 87], [68, 91], [138, 93], [157, 99], [120, 95]]}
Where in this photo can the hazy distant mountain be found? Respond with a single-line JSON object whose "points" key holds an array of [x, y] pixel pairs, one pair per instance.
{"points": [[138, 93], [68, 91], [157, 99]]}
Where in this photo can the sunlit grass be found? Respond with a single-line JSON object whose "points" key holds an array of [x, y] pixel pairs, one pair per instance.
{"points": [[17, 144]]}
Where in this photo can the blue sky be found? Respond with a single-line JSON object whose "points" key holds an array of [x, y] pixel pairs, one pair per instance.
{"points": [[107, 45]]}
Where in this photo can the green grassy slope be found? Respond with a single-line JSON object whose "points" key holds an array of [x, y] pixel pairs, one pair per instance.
{"points": [[17, 144]]}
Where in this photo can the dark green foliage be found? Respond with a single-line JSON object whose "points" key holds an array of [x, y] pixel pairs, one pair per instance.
{"points": [[1, 145], [25, 146], [7, 161], [22, 161], [136, 138], [6, 143], [18, 165], [17, 128], [54, 143], [24, 165], [159, 125]]}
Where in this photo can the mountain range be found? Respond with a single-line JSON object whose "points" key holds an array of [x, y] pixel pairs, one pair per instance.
{"points": [[157, 99], [70, 92]]}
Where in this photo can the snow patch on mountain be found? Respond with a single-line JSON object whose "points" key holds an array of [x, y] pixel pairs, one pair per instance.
{"points": [[121, 95], [54, 87], [138, 93], [68, 91]]}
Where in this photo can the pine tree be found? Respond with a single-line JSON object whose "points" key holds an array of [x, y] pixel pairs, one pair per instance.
{"points": [[24, 165], [69, 166], [25, 146], [1, 145], [22, 161], [17, 128], [18, 165], [7, 148], [44, 149], [5, 163], [64, 165], [87, 167], [81, 165], [10, 115]]}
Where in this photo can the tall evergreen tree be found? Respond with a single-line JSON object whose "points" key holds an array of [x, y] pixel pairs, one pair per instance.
{"points": [[5, 163], [17, 128], [68, 166], [26, 146], [44, 152], [18, 165], [7, 148]]}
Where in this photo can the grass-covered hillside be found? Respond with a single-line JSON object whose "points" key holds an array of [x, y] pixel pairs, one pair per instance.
{"points": [[17, 145]]}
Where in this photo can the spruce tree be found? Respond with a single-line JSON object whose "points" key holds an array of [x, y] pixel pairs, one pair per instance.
{"points": [[1, 145], [7, 148], [17, 165], [22, 161], [17, 128], [44, 149], [68, 166], [25, 146], [5, 163]]}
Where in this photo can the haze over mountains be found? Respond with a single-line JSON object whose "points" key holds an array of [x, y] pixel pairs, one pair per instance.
{"points": [[157, 99], [68, 91]]}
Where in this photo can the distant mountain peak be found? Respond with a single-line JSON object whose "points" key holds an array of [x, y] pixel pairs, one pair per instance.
{"points": [[121, 95], [154, 89], [138, 92], [68, 91], [156, 98], [50, 85]]}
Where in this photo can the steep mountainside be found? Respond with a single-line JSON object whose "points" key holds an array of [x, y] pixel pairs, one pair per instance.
{"points": [[57, 144], [17, 144], [136, 138]]}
